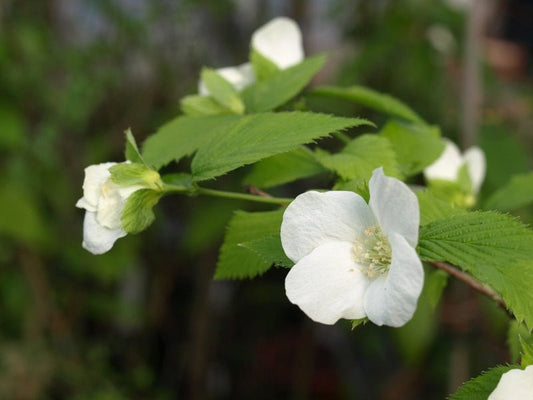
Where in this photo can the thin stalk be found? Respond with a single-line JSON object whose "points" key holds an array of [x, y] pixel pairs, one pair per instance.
{"points": [[460, 275], [243, 196]]}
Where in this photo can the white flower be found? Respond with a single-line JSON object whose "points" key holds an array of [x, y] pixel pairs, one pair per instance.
{"points": [[448, 165], [280, 40], [515, 384], [103, 201], [353, 259]]}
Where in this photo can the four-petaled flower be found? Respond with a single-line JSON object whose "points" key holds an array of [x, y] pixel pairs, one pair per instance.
{"points": [[516, 384], [103, 201], [447, 167], [353, 259], [280, 41]]}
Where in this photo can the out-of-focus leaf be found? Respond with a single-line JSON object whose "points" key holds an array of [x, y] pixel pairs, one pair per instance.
{"points": [[370, 98], [416, 145], [360, 157], [517, 193]]}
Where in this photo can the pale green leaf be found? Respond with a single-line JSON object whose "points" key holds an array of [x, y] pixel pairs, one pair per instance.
{"points": [[263, 67], [269, 249], [416, 145], [280, 87], [495, 248], [284, 168], [137, 214], [130, 174], [370, 98], [527, 350], [360, 157], [354, 323], [517, 330], [238, 262], [132, 152], [435, 283], [183, 136], [481, 387], [254, 137], [517, 193], [433, 208], [222, 91], [198, 106]]}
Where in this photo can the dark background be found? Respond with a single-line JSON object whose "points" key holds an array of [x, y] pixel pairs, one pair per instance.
{"points": [[146, 321]]}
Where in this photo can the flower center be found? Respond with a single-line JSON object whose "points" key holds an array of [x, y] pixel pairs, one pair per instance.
{"points": [[372, 252]]}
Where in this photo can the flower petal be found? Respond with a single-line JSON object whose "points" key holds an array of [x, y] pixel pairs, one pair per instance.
{"points": [[327, 284], [447, 165], [82, 203], [314, 218], [391, 299], [239, 76], [280, 41], [395, 206], [95, 177], [96, 238], [515, 384], [476, 165]]}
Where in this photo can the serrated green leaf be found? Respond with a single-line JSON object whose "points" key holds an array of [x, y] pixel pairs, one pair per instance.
{"points": [[198, 106], [371, 99], [495, 248], [433, 208], [131, 174], [263, 67], [517, 193], [284, 168], [280, 87], [527, 351], [360, 157], [222, 91], [238, 262], [137, 214], [183, 136], [416, 145], [269, 248], [356, 322], [254, 137], [481, 387], [132, 152], [515, 332]]}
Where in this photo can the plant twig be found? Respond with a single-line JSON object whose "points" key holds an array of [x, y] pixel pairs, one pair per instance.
{"points": [[258, 192], [471, 282]]}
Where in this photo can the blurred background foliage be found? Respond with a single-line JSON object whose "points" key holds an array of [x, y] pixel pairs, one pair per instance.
{"points": [[146, 321]]}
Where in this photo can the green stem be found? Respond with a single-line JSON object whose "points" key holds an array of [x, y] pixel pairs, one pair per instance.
{"points": [[243, 196], [169, 188]]}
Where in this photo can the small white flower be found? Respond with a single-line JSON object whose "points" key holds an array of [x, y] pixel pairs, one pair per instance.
{"points": [[447, 166], [239, 76], [280, 40], [516, 384], [103, 201], [353, 259]]}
